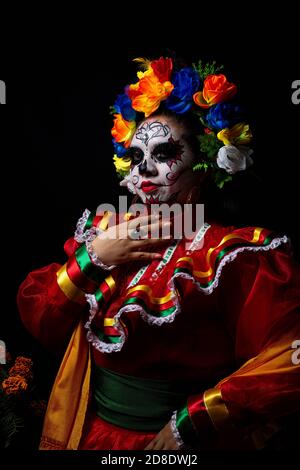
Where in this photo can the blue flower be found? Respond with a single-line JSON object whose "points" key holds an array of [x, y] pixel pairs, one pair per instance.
{"points": [[224, 115], [186, 82], [120, 150], [123, 106]]}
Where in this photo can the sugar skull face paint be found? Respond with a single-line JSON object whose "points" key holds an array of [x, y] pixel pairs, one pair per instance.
{"points": [[161, 160]]}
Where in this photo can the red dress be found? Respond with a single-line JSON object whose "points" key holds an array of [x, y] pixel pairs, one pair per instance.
{"points": [[224, 315]]}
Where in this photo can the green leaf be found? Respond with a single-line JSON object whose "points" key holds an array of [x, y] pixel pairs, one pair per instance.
{"points": [[210, 145], [112, 110], [10, 422], [200, 166], [121, 174], [221, 177], [207, 69]]}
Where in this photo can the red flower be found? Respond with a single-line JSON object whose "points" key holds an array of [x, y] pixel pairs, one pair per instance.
{"points": [[162, 68]]}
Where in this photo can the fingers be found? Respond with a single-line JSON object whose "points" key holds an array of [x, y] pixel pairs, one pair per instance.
{"points": [[152, 231], [150, 445], [143, 245], [143, 220], [144, 255], [156, 444]]}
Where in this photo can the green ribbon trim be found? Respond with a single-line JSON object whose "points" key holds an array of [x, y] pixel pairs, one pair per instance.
{"points": [[86, 266], [142, 303], [89, 221], [138, 403], [99, 297], [219, 258], [107, 338], [185, 426]]}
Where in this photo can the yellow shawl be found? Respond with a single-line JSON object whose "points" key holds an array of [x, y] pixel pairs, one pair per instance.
{"points": [[69, 397]]}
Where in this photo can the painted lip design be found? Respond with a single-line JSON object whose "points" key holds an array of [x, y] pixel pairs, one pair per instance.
{"points": [[148, 186]]}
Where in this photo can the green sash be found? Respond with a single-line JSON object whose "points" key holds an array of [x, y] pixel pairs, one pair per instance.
{"points": [[138, 403]]}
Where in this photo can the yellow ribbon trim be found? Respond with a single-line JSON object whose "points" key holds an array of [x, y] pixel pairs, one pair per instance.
{"points": [[109, 322], [67, 286], [185, 258], [110, 282], [216, 408], [231, 236], [105, 219], [148, 290]]}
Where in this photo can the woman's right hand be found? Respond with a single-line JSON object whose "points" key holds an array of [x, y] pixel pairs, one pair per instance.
{"points": [[115, 245]]}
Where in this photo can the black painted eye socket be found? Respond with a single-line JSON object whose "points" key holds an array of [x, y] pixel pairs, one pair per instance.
{"points": [[135, 154], [164, 152]]}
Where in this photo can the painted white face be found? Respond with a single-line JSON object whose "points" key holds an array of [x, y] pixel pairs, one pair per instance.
{"points": [[161, 160]]}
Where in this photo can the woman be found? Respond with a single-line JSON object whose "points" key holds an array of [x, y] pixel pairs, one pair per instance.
{"points": [[180, 344]]}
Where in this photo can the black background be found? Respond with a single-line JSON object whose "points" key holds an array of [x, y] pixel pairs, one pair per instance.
{"points": [[56, 152]]}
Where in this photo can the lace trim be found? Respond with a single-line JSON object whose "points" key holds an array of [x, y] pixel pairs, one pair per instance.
{"points": [[91, 336], [94, 258], [167, 256], [79, 232], [197, 243], [227, 259], [108, 348], [81, 235], [87, 237], [151, 320], [137, 277], [175, 432]]}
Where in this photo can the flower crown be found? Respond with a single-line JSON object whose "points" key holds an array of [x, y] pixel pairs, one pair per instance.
{"points": [[201, 89]]}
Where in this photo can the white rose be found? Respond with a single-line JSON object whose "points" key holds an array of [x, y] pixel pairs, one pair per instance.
{"points": [[234, 159]]}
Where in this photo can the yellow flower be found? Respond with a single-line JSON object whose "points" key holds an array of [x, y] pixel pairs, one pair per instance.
{"points": [[146, 73], [122, 164], [123, 130], [240, 134]]}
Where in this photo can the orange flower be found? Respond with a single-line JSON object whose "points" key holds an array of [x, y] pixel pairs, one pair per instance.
{"points": [[13, 385], [216, 90], [24, 360], [21, 370], [147, 94], [123, 130]]}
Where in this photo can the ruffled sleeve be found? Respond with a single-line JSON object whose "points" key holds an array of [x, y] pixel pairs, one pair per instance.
{"points": [[51, 299], [259, 300]]}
